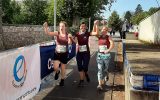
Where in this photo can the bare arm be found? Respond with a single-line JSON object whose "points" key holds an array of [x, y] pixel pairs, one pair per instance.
{"points": [[74, 40], [71, 39], [111, 45], [45, 25], [95, 28]]}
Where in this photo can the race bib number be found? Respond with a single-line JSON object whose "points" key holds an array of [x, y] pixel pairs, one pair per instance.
{"points": [[103, 56], [82, 48], [102, 48], [61, 48]]}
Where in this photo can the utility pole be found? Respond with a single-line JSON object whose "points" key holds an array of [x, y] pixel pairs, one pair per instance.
{"points": [[55, 4], [89, 24]]}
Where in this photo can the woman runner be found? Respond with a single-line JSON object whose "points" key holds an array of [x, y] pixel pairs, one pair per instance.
{"points": [[83, 51], [61, 51], [105, 45]]}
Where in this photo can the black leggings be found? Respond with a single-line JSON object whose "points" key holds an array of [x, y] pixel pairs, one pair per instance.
{"points": [[83, 59]]}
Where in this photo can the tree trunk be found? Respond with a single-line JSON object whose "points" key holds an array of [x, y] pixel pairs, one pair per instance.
{"points": [[76, 21]]}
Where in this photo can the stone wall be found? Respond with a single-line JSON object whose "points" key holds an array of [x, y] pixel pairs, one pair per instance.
{"points": [[1, 42], [22, 35]]}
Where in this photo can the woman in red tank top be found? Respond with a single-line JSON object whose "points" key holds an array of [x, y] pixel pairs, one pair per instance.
{"points": [[61, 52], [83, 51], [105, 45]]}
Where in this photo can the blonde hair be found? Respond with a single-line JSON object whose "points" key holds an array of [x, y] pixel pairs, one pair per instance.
{"points": [[105, 27], [63, 23]]}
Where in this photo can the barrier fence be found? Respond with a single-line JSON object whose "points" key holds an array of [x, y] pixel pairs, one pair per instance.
{"points": [[22, 69], [20, 73], [139, 82]]}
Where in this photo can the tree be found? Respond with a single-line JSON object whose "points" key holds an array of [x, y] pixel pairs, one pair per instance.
{"points": [[153, 10], [114, 21], [138, 17], [16, 9], [7, 11], [34, 11], [89, 8], [128, 15], [138, 9], [140, 14], [50, 12], [73, 10]]}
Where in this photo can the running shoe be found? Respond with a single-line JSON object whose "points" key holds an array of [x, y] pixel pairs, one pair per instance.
{"points": [[81, 83], [61, 82], [87, 77], [99, 87], [57, 75]]}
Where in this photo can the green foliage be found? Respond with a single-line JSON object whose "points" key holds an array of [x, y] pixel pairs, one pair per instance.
{"points": [[138, 9], [136, 19], [152, 10], [114, 21], [34, 11], [73, 30], [29, 12], [37, 11], [73, 10], [7, 11], [49, 11], [128, 15], [139, 14], [16, 8]]}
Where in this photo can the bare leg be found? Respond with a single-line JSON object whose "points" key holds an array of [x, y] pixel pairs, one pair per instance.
{"points": [[56, 65], [56, 68], [81, 73], [63, 70]]}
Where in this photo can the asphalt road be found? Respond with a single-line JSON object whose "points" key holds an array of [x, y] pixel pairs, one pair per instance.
{"points": [[71, 91]]}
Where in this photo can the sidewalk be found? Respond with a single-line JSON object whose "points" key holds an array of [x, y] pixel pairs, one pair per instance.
{"points": [[144, 60], [114, 89]]}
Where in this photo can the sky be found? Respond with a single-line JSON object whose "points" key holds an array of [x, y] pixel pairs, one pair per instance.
{"points": [[121, 6]]}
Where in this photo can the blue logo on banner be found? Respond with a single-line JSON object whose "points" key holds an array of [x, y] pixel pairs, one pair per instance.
{"points": [[19, 71]]}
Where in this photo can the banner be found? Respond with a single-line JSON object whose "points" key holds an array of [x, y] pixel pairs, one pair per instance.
{"points": [[47, 55], [20, 73]]}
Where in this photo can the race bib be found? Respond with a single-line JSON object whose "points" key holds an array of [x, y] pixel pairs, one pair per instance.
{"points": [[82, 48], [61, 48], [103, 56], [102, 48]]}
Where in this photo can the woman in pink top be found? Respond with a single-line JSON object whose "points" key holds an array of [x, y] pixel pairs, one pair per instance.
{"points": [[105, 45], [61, 52]]}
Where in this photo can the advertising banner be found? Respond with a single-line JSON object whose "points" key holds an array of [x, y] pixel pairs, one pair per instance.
{"points": [[20, 73], [47, 56]]}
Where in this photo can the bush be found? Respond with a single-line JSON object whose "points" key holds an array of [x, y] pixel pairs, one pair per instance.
{"points": [[73, 30]]}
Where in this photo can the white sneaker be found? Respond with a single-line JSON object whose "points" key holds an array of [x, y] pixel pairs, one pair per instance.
{"points": [[99, 87]]}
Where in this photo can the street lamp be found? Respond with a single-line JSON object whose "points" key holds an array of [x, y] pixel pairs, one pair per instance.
{"points": [[55, 3], [89, 24]]}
